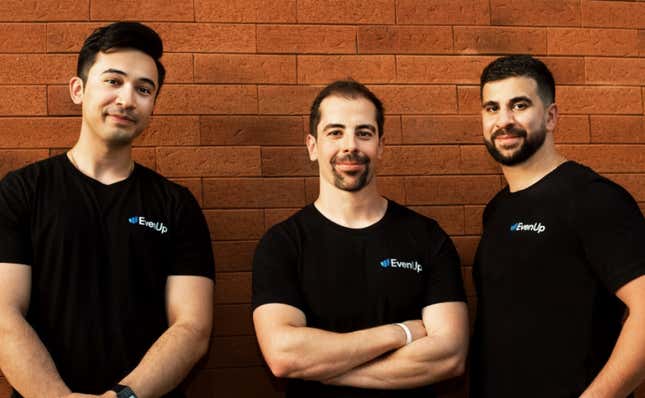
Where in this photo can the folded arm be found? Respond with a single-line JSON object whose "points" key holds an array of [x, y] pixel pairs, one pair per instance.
{"points": [[24, 360], [294, 350], [439, 355], [625, 369]]}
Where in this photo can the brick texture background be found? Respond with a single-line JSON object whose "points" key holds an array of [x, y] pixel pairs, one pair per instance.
{"points": [[230, 122]]}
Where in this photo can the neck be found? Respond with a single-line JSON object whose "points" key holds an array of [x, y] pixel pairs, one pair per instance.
{"points": [[527, 173], [358, 209], [101, 162]]}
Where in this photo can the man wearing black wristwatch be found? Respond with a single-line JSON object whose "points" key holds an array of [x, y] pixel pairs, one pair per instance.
{"points": [[106, 268]]}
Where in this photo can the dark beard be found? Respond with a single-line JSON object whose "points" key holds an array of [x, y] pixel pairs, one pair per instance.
{"points": [[363, 178], [527, 148]]}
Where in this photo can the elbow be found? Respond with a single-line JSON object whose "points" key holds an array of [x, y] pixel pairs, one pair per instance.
{"points": [[282, 365], [455, 366]]}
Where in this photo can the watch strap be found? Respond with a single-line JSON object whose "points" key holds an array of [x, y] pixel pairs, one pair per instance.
{"points": [[123, 391]]}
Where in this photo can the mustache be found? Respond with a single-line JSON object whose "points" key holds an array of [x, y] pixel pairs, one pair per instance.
{"points": [[512, 130], [124, 113], [353, 157]]}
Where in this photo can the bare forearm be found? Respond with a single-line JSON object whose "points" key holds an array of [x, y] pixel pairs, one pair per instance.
{"points": [[168, 361], [625, 369], [25, 361], [314, 354]]}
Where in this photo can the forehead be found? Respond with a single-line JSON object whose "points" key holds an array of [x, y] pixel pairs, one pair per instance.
{"points": [[358, 110], [511, 87], [136, 64]]}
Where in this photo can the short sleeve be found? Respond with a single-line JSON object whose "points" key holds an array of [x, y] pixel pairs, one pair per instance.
{"points": [[275, 270], [193, 253], [444, 278], [612, 232], [15, 239]]}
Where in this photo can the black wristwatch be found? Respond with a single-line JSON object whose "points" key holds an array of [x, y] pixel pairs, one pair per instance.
{"points": [[123, 391]]}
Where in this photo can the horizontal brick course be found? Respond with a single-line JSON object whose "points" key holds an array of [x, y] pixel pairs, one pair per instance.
{"points": [[245, 11], [22, 38], [443, 12], [492, 40], [44, 10], [615, 129], [318, 69], [306, 39], [601, 42], [233, 68], [394, 39], [535, 12], [613, 14], [209, 161], [346, 11], [135, 10]]}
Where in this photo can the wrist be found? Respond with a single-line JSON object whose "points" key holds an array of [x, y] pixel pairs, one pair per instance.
{"points": [[407, 333]]}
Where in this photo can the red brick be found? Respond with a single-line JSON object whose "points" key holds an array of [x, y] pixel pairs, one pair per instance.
{"points": [[442, 129], [38, 132], [641, 42], [469, 101], [286, 100], [22, 38], [232, 320], [23, 100], [634, 183], [404, 39], [346, 11], [602, 42], [315, 69], [146, 157], [475, 159], [233, 68], [420, 160], [36, 68], [236, 382], [206, 38], [417, 99], [566, 70], [13, 159], [486, 40], [44, 10], [206, 99], [614, 129], [389, 187], [287, 161], [306, 39], [234, 255], [170, 130], [69, 37], [572, 129], [157, 10], [466, 247], [252, 130], [448, 190], [607, 100], [179, 68], [194, 185], [473, 216], [450, 218], [59, 103], [440, 69], [208, 161], [254, 192], [535, 12], [443, 12], [231, 351], [275, 216], [245, 11], [629, 71], [613, 14], [234, 225], [233, 287], [608, 158]]}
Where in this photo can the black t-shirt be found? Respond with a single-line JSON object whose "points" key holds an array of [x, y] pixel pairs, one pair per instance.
{"points": [[349, 279], [547, 268], [100, 256]]}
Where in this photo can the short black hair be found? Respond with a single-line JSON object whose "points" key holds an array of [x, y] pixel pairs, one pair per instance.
{"points": [[348, 89], [121, 35], [521, 66]]}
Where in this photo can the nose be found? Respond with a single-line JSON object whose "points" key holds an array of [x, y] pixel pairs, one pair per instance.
{"points": [[126, 96], [349, 142], [505, 118]]}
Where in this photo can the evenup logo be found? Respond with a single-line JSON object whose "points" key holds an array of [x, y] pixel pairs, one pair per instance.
{"points": [[157, 226], [394, 263], [535, 227]]}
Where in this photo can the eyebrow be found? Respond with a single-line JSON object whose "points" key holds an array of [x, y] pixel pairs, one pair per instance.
{"points": [[367, 126], [334, 126], [122, 73]]}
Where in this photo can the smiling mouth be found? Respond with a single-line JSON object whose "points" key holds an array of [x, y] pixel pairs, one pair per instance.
{"points": [[122, 118]]}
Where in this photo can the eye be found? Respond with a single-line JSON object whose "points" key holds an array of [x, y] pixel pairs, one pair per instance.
{"points": [[491, 108], [520, 106], [334, 133], [364, 133], [112, 82], [144, 90]]}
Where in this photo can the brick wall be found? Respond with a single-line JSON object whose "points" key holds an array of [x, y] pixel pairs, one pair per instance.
{"points": [[230, 122]]}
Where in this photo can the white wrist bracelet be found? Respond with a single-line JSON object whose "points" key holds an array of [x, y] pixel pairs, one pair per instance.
{"points": [[408, 333]]}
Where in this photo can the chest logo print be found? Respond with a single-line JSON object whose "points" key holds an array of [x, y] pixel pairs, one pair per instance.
{"points": [[537, 227], [394, 263], [156, 225]]}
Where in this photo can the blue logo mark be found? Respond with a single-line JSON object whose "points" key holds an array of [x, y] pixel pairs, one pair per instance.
{"points": [[514, 227], [133, 220], [385, 263]]}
